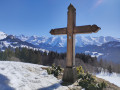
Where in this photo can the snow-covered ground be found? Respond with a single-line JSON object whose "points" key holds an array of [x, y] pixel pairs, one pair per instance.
{"points": [[25, 76], [112, 78]]}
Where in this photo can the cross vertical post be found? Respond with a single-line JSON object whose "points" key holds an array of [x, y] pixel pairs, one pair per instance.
{"points": [[70, 71], [71, 36]]}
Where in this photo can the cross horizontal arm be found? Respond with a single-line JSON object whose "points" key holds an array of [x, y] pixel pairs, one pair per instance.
{"points": [[86, 29], [58, 31]]}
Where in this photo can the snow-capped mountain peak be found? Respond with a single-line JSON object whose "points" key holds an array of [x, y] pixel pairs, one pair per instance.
{"points": [[61, 41], [22, 37], [2, 35]]}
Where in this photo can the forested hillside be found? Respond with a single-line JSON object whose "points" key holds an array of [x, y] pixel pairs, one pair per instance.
{"points": [[37, 57]]}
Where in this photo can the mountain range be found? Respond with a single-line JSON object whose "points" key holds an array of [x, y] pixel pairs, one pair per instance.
{"points": [[102, 47], [61, 41]]}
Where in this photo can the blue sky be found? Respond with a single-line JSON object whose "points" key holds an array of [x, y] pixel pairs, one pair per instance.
{"points": [[38, 17]]}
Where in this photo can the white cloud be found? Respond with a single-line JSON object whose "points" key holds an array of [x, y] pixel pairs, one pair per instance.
{"points": [[98, 3]]}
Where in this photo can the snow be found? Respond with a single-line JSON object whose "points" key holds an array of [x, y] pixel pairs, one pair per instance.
{"points": [[96, 54], [2, 35], [16, 44], [87, 52], [6, 44], [61, 41], [25, 76], [112, 78]]}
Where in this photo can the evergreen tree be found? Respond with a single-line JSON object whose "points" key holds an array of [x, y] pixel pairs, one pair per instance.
{"points": [[109, 69]]}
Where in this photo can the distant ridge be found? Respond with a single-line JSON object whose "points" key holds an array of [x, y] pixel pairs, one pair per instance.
{"points": [[61, 41], [2, 35], [102, 47]]}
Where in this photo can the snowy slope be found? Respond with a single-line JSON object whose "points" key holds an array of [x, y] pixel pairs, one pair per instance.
{"points": [[25, 76], [2, 35], [13, 42], [112, 78]]}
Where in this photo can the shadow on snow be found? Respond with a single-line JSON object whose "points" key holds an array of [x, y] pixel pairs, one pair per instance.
{"points": [[52, 87], [4, 81]]}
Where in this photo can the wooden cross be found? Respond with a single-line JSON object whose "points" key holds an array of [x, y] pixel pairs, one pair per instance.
{"points": [[71, 30]]}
